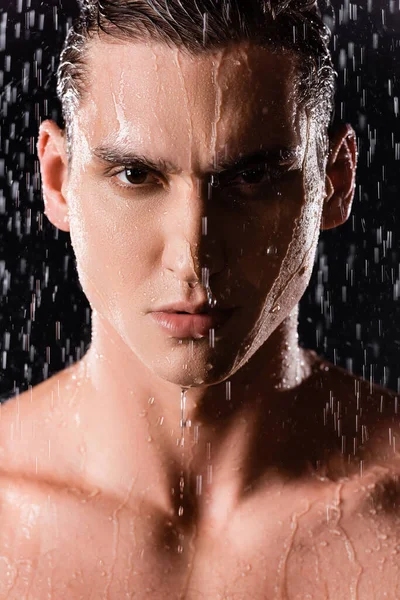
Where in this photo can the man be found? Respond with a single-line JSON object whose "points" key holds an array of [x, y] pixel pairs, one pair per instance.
{"points": [[200, 455]]}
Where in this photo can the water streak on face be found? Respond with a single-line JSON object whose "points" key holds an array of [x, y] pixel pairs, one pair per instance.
{"points": [[138, 245]]}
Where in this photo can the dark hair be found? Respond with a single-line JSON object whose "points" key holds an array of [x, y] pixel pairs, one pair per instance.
{"points": [[198, 26]]}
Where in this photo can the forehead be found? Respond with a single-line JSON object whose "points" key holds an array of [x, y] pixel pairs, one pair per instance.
{"points": [[162, 100]]}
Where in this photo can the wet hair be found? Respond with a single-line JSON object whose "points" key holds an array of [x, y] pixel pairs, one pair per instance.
{"points": [[200, 26]]}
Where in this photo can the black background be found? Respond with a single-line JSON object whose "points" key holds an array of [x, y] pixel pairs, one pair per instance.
{"points": [[350, 313]]}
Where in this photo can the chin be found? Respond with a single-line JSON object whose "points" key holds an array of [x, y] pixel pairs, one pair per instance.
{"points": [[194, 372]]}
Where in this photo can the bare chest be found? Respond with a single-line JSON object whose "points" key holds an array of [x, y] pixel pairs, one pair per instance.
{"points": [[69, 549]]}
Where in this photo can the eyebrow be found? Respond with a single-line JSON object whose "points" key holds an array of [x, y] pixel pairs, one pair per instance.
{"points": [[115, 156]]}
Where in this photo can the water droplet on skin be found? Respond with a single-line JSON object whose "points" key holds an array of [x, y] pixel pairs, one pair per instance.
{"points": [[276, 308], [211, 300]]}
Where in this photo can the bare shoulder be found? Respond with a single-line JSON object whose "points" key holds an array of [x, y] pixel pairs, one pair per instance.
{"points": [[25, 467], [34, 430], [40, 493], [360, 406], [364, 420]]}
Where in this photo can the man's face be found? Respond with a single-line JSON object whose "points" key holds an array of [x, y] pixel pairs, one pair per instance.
{"points": [[139, 238]]}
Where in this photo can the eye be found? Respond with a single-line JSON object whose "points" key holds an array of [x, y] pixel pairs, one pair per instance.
{"points": [[254, 175], [132, 176]]}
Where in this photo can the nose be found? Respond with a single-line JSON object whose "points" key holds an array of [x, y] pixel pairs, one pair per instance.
{"points": [[193, 244]]}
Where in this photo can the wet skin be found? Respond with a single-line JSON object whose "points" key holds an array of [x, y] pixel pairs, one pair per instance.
{"points": [[315, 517], [93, 481]]}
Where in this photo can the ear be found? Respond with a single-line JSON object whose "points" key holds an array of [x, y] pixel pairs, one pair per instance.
{"points": [[340, 177], [54, 170]]}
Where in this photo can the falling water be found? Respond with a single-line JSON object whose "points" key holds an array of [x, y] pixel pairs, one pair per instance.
{"points": [[184, 422], [350, 312], [364, 34], [183, 425]]}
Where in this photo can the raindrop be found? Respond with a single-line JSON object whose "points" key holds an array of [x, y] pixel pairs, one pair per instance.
{"points": [[183, 425], [212, 338], [199, 482]]}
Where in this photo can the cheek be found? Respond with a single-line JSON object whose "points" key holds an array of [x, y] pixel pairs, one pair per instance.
{"points": [[283, 241], [298, 260], [106, 242], [274, 233]]}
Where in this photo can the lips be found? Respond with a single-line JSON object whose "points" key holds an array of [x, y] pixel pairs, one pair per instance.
{"points": [[184, 307], [184, 325]]}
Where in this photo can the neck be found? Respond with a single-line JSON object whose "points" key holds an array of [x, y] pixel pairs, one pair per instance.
{"points": [[140, 415]]}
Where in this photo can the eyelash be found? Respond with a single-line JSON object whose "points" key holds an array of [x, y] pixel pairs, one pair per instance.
{"points": [[268, 175], [273, 172], [131, 185]]}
